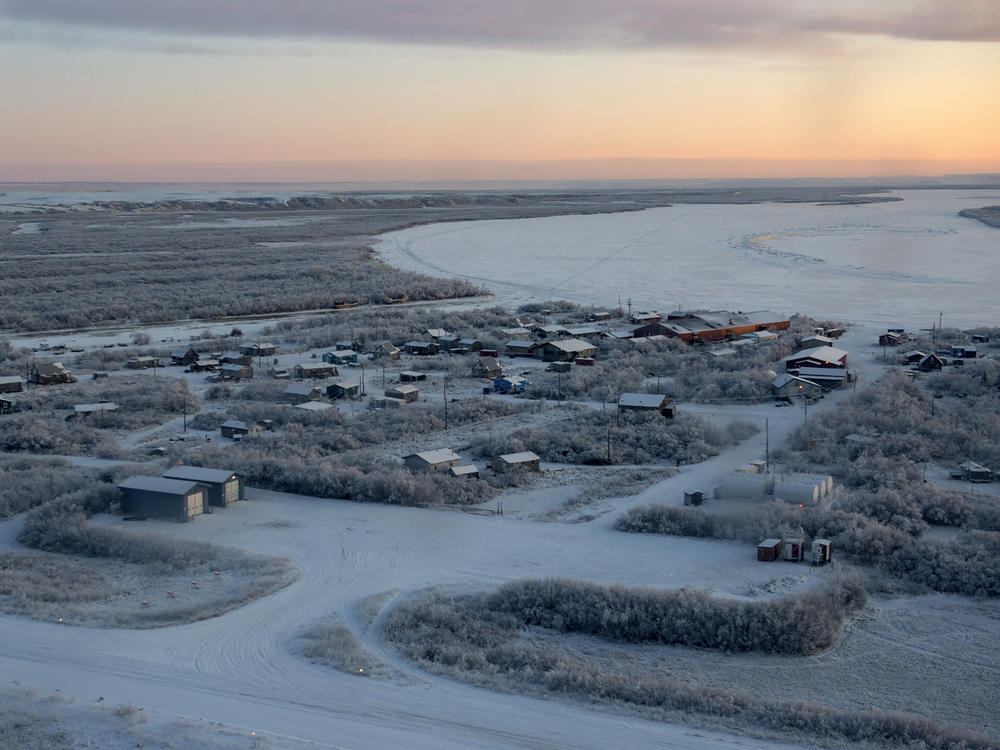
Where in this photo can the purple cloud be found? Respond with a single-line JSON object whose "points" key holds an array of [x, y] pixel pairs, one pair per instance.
{"points": [[534, 23]]}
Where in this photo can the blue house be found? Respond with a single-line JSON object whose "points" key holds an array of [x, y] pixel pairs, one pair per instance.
{"points": [[341, 357], [509, 384]]}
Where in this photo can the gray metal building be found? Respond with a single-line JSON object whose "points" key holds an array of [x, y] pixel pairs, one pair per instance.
{"points": [[224, 486], [157, 497]]}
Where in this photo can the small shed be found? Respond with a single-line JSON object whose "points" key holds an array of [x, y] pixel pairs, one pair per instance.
{"points": [[434, 460], [694, 497], [234, 428], [412, 376], [468, 471], [314, 406], [341, 357], [565, 350], [930, 362], [973, 472], [50, 373], [509, 384], [486, 367], [489, 353], [11, 384], [523, 460], [559, 367], [793, 548], [223, 486], [141, 363], [822, 551], [769, 550], [343, 389], [157, 497], [183, 356], [385, 350], [204, 365], [647, 402], [407, 393]]}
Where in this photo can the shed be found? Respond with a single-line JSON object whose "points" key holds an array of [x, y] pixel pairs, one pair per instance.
{"points": [[407, 393], [769, 550], [559, 367], [299, 394], [469, 345], [102, 406], [822, 551], [157, 497], [524, 459], [385, 350], [793, 548], [234, 428], [50, 373], [825, 377], [223, 486], [141, 363], [694, 497], [314, 406], [646, 402], [494, 353], [412, 376], [341, 357], [816, 340], [343, 389], [183, 356], [11, 384], [819, 356], [5, 405], [314, 370], [433, 460], [468, 470], [258, 349], [565, 350], [973, 472], [204, 365], [930, 362], [486, 367], [384, 403], [421, 348], [509, 384], [521, 348]]}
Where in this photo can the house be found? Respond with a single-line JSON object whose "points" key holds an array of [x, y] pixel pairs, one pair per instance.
{"points": [[644, 318], [646, 402], [234, 428], [970, 471], [406, 393], [509, 384], [223, 486], [385, 350], [258, 349], [826, 377], [595, 316], [314, 406], [520, 348], [141, 363], [157, 497], [815, 341], [486, 367], [299, 394], [565, 350], [80, 410], [412, 376], [818, 356], [721, 352], [468, 345], [345, 344], [205, 365], [769, 550], [11, 384], [644, 331], [559, 367], [448, 343], [694, 497], [235, 358], [720, 324], [341, 357], [435, 460], [49, 373], [468, 470], [892, 338], [489, 353], [235, 372], [913, 356], [421, 348], [514, 332], [964, 352], [183, 356], [583, 332], [315, 370], [930, 362], [786, 386], [436, 333], [525, 460], [343, 389]]}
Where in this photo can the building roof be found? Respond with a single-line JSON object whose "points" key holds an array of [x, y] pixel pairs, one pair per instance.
{"points": [[822, 353], [437, 456], [519, 331], [9, 379], [50, 368], [418, 344], [233, 368], [314, 406], [314, 366], [823, 373], [770, 543], [301, 390], [519, 458], [387, 346], [236, 424], [722, 352], [435, 333], [343, 385], [786, 378], [199, 474], [158, 484], [403, 389], [465, 470], [642, 400], [521, 344], [571, 345], [513, 379], [88, 408]]}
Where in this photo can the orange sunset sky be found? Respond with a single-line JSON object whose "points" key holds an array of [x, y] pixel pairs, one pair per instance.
{"points": [[509, 89]]}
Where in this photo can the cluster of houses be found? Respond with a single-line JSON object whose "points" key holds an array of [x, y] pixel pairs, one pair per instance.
{"points": [[446, 460], [181, 493], [929, 361], [232, 365]]}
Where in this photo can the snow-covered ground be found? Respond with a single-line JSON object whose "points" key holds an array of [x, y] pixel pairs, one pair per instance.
{"points": [[882, 264]]}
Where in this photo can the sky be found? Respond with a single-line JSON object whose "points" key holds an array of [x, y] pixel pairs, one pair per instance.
{"points": [[331, 90]]}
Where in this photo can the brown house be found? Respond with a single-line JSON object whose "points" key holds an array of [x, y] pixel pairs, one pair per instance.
{"points": [[49, 373]]}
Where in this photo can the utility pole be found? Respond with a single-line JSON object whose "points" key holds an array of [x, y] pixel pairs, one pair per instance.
{"points": [[445, 384], [630, 308], [185, 412], [362, 378], [805, 419], [767, 447], [558, 389]]}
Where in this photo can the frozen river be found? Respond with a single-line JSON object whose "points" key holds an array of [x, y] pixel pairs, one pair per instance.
{"points": [[882, 264]]}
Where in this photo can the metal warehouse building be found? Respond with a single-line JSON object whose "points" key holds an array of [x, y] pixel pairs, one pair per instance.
{"points": [[157, 497], [224, 486]]}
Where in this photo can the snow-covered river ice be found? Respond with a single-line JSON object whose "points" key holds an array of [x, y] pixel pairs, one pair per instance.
{"points": [[882, 264]]}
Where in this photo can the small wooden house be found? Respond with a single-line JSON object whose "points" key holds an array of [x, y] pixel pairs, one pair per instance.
{"points": [[234, 358], [520, 348], [205, 365], [157, 497], [258, 349], [816, 357], [793, 549], [385, 350], [234, 428], [468, 471], [50, 373], [822, 551], [407, 393], [509, 384], [930, 362], [787, 386], [342, 389], [486, 367], [769, 550], [646, 402], [11, 384], [314, 370], [694, 497], [236, 372], [565, 350], [184, 356], [525, 460], [341, 357], [421, 348], [441, 459], [141, 363], [5, 405], [412, 376], [299, 394]]}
